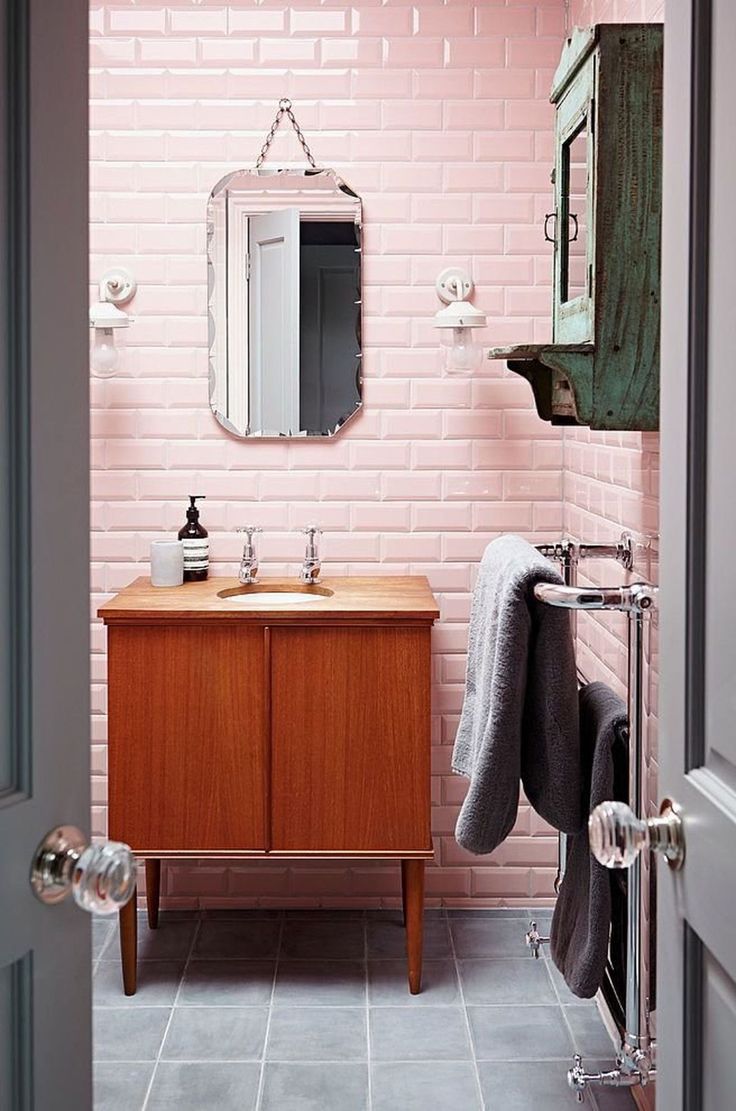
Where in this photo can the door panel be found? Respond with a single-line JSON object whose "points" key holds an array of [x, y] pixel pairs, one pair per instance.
{"points": [[274, 320], [696, 922], [186, 737], [350, 739], [44, 584]]}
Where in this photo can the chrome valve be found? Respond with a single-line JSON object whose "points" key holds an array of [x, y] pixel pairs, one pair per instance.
{"points": [[617, 836], [535, 940], [101, 877]]}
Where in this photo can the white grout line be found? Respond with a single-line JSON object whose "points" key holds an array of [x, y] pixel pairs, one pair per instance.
{"points": [[262, 1077], [474, 1059], [367, 1011], [193, 942]]}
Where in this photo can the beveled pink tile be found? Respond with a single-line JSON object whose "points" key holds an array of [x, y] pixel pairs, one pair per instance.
{"points": [[150, 19], [424, 52], [286, 51], [382, 21], [317, 21], [506, 22]]}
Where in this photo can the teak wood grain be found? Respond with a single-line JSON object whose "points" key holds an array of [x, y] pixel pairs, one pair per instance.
{"points": [[350, 738], [352, 600], [186, 737]]}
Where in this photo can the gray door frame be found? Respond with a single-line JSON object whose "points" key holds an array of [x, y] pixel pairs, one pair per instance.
{"points": [[45, 988], [696, 923]]}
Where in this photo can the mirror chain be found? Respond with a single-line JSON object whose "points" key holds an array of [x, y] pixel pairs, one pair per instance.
{"points": [[285, 109]]}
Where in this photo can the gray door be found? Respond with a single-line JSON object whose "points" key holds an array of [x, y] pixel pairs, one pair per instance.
{"points": [[44, 591], [696, 1009]]}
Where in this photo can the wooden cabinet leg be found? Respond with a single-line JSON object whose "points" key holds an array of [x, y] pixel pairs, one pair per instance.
{"points": [[412, 885], [153, 890], [129, 944]]}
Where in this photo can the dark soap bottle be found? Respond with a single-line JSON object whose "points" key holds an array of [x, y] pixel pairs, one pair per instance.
{"points": [[196, 544]]}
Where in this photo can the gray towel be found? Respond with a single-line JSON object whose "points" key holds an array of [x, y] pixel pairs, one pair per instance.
{"points": [[582, 919], [520, 714]]}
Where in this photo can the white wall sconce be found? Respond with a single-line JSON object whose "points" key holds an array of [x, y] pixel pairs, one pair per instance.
{"points": [[463, 354], [117, 287]]}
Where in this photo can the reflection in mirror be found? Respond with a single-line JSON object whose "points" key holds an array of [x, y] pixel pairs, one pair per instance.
{"points": [[284, 302], [573, 231]]}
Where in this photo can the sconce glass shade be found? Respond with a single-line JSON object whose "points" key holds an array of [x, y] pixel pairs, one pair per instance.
{"points": [[104, 320], [456, 322], [462, 355], [104, 354]]}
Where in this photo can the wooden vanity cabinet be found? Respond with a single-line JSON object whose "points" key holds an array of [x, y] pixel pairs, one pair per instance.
{"points": [[247, 733]]}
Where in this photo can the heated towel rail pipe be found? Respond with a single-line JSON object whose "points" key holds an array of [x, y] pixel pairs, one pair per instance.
{"points": [[635, 1060]]}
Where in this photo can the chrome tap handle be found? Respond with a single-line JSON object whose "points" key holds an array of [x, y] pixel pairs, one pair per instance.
{"points": [[617, 836], [311, 532], [312, 566], [249, 563]]}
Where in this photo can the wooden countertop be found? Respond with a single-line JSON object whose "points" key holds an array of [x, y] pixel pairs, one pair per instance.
{"points": [[379, 598]]}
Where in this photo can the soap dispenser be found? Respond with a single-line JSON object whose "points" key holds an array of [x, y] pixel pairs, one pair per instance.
{"points": [[196, 544]]}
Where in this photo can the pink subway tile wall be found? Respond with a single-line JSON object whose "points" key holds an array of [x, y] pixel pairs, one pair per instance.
{"points": [[437, 114]]}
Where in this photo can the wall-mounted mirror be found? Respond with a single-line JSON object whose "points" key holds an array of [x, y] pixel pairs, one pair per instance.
{"points": [[284, 302]]}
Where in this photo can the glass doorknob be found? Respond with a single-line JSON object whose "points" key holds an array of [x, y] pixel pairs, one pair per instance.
{"points": [[617, 836], [101, 876]]}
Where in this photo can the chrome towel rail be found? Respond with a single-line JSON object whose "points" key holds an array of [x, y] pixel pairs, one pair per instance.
{"points": [[633, 598], [636, 1057]]}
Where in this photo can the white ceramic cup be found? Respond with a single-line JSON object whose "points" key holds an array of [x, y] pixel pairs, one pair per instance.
{"points": [[167, 563]]}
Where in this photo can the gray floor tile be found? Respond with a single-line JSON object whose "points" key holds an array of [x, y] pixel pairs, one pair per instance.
{"points": [[507, 913], [129, 1033], [540, 914], [307, 939], [300, 983], [589, 1034], [314, 1087], [489, 937], [121, 1086], [519, 1033], [170, 942], [507, 980], [317, 1034], [234, 938], [247, 914], [324, 914], [419, 1034], [388, 939], [227, 983], [215, 1034], [102, 931], [157, 984], [388, 985], [425, 1086], [186, 1086], [527, 1086], [563, 992]]}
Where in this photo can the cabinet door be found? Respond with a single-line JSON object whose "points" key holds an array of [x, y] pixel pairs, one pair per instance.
{"points": [[350, 739], [187, 737]]}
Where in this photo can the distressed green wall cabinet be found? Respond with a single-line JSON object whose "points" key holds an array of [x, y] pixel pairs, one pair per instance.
{"points": [[602, 366]]}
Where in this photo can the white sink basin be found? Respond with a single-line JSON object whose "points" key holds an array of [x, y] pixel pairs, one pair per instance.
{"points": [[267, 598]]}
